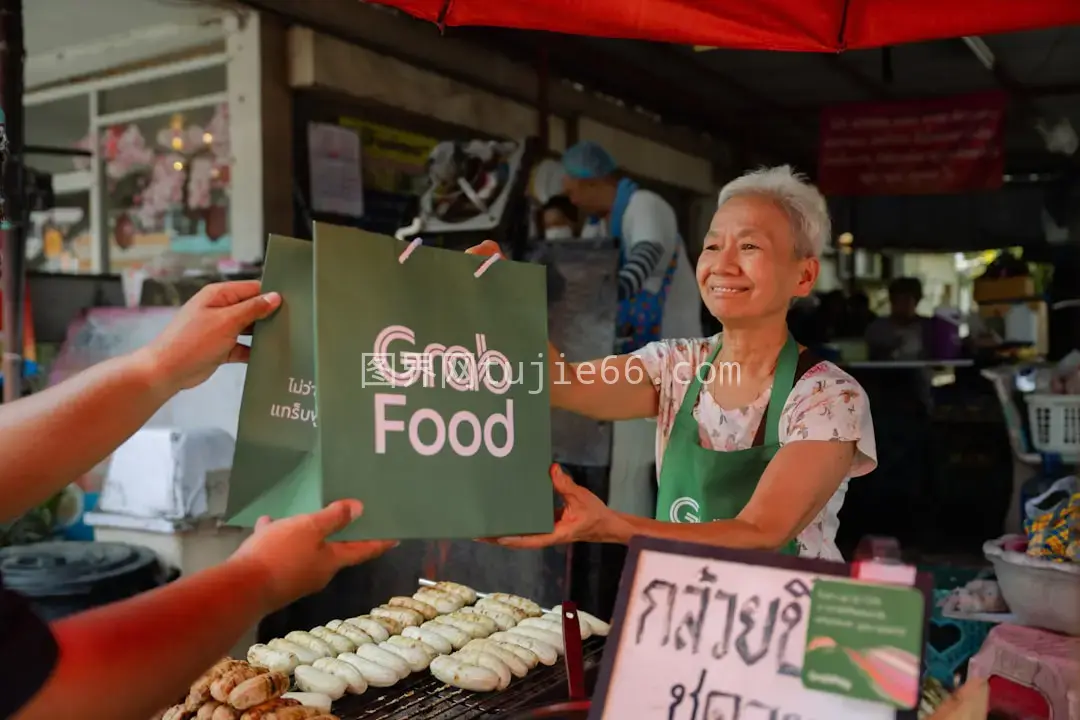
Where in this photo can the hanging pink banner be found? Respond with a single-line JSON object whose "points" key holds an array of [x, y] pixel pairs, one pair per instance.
{"points": [[927, 147]]}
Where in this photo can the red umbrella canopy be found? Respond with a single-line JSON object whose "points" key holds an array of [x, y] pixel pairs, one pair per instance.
{"points": [[794, 25]]}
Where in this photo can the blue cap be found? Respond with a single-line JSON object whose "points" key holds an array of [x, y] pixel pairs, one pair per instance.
{"points": [[588, 161]]}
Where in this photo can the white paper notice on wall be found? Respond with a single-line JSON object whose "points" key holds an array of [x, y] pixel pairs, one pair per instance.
{"points": [[337, 185], [705, 633]]}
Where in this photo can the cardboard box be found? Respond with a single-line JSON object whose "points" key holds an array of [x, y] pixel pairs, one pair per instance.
{"points": [[994, 314], [997, 290]]}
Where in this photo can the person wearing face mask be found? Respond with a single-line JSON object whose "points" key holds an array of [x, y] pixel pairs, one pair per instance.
{"points": [[755, 438], [559, 219]]}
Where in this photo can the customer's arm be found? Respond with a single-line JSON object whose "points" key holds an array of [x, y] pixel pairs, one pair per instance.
{"points": [[51, 438], [128, 660]]}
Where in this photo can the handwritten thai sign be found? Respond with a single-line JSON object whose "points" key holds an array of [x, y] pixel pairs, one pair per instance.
{"points": [[925, 147], [710, 634]]}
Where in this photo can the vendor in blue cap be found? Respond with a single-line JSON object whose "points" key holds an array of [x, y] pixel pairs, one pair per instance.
{"points": [[658, 296]]}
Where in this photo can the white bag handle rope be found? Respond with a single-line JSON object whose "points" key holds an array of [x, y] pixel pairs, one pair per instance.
{"points": [[487, 264], [417, 242]]}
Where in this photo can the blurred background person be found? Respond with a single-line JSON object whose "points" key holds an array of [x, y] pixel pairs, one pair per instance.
{"points": [[902, 334], [859, 315]]}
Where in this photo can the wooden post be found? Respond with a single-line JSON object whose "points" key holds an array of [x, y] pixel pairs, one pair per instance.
{"points": [[13, 250]]}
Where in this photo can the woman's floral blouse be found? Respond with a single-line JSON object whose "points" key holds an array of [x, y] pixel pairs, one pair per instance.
{"points": [[825, 404]]}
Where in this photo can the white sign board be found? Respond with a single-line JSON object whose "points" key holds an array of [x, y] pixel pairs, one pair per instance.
{"points": [[337, 185], [711, 634]]}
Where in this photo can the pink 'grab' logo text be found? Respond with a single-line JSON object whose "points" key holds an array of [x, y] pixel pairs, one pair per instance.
{"points": [[462, 370]]}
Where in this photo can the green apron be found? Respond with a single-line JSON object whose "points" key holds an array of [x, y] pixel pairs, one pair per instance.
{"points": [[700, 485]]}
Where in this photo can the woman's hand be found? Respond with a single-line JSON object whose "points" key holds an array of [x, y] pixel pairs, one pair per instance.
{"points": [[294, 557], [583, 518]]}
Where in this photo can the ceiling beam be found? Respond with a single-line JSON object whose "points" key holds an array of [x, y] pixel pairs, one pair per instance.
{"points": [[688, 77], [988, 60], [400, 36], [1023, 102], [634, 82], [876, 90]]}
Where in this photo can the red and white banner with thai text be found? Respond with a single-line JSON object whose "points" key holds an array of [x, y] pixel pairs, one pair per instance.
{"points": [[925, 147]]}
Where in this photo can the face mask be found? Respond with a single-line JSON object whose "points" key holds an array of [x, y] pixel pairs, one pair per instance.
{"points": [[559, 233]]}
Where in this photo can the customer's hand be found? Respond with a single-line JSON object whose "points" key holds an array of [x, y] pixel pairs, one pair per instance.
{"points": [[203, 334], [486, 249], [294, 557], [583, 518]]}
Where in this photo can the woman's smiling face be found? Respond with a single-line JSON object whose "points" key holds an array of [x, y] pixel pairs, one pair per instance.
{"points": [[749, 266]]}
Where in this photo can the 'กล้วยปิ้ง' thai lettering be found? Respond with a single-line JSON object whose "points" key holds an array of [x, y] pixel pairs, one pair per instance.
{"points": [[461, 369]]}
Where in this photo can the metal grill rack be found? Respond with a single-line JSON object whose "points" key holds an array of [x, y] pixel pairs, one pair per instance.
{"points": [[422, 697]]}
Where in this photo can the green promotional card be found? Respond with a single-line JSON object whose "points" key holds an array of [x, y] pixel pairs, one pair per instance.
{"points": [[433, 402], [863, 641]]}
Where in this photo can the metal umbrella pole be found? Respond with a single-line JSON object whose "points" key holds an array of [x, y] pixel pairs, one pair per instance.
{"points": [[13, 232]]}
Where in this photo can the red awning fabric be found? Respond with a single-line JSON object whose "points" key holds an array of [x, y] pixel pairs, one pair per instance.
{"points": [[792, 25]]}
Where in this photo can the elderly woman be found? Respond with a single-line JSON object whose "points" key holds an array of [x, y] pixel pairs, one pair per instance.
{"points": [[755, 438]]}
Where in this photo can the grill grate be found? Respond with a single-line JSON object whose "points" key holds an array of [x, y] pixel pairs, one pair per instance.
{"points": [[422, 697]]}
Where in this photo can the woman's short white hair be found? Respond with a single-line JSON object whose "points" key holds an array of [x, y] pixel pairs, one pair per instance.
{"points": [[802, 201]]}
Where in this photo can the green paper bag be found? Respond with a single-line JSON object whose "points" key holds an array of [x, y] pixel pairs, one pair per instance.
{"points": [[446, 437], [431, 460], [276, 465]]}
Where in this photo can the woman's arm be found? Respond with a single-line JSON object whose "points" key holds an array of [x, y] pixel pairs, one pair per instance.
{"points": [[796, 485], [612, 388]]}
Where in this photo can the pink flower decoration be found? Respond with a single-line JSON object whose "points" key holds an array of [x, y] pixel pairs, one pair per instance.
{"points": [[200, 182], [127, 152]]}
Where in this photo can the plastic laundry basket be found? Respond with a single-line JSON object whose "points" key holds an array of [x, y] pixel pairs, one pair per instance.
{"points": [[1055, 423]]}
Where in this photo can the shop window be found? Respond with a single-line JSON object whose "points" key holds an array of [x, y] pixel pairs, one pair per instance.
{"points": [[163, 148], [173, 88], [56, 124], [167, 187], [60, 238]]}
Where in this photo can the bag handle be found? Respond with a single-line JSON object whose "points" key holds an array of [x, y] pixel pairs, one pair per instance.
{"points": [[417, 242]]}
